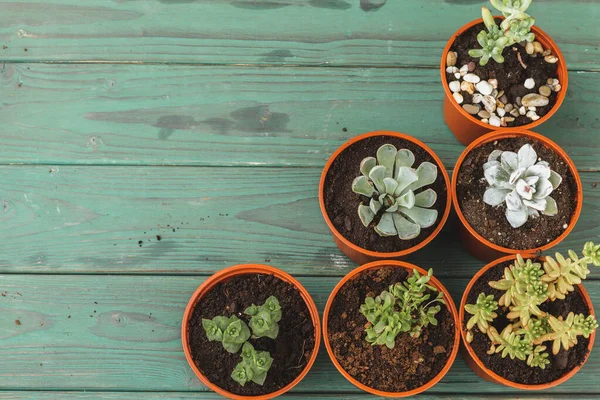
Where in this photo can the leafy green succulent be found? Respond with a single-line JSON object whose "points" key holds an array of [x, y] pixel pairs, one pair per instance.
{"points": [[526, 285], [406, 307], [482, 311], [264, 319], [522, 183], [232, 332], [515, 28], [253, 367], [390, 182]]}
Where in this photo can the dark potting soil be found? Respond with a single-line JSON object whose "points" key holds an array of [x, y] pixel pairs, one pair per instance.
{"points": [[342, 203], [517, 370], [411, 363], [490, 222], [510, 74], [291, 350]]}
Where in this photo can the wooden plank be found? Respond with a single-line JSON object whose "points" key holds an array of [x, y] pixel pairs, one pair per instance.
{"points": [[60, 395], [182, 115], [90, 220], [130, 339], [277, 32]]}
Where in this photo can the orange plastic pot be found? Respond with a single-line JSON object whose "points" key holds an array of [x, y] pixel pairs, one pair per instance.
{"points": [[435, 283], [479, 246], [477, 365], [225, 275], [466, 127], [361, 255]]}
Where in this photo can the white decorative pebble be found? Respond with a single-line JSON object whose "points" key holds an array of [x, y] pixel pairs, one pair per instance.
{"points": [[555, 82], [537, 47], [550, 59], [515, 112], [501, 112], [457, 75], [493, 82], [451, 59], [489, 103], [484, 114], [485, 120], [451, 70], [472, 78], [463, 70], [467, 87], [557, 88], [545, 90], [531, 108], [458, 97], [508, 119], [508, 108], [454, 86], [565, 226], [550, 81], [522, 110], [477, 98], [529, 48], [529, 83], [518, 101], [532, 115], [495, 121], [484, 87], [534, 100], [471, 108]]}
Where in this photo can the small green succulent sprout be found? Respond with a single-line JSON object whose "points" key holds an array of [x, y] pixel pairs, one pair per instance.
{"points": [[591, 252], [509, 343], [264, 318], [521, 276], [515, 28], [522, 182], [564, 332], [538, 357], [390, 182], [406, 307], [535, 329], [563, 273], [257, 362], [235, 335], [482, 312]]}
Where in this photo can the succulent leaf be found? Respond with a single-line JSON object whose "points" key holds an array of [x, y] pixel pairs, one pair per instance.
{"points": [[386, 226], [362, 185], [425, 198], [407, 230], [366, 165], [482, 311], [386, 156]]}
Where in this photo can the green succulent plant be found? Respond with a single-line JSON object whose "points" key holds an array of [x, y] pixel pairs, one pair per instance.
{"points": [[526, 285], [390, 182], [515, 28], [232, 332], [522, 182], [406, 307], [482, 312], [264, 319], [253, 367]]}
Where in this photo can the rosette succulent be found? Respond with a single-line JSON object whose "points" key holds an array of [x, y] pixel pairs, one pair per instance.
{"points": [[390, 182], [522, 182]]}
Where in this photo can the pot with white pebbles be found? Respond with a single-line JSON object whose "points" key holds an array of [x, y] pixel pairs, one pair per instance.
{"points": [[501, 72]]}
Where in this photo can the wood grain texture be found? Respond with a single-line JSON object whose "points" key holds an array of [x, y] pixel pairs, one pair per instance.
{"points": [[182, 115], [122, 333], [60, 395], [275, 32], [87, 219]]}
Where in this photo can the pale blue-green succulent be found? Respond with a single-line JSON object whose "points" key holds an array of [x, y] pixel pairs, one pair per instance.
{"points": [[390, 182], [515, 28], [521, 182]]}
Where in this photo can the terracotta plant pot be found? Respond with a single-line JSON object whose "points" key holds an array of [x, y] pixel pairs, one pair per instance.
{"points": [[224, 275], [361, 255], [481, 247], [449, 304], [466, 127], [477, 365]]}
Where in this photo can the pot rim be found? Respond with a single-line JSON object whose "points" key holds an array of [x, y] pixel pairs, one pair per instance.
{"points": [[449, 304], [228, 273], [540, 36], [510, 134], [584, 294], [372, 253]]}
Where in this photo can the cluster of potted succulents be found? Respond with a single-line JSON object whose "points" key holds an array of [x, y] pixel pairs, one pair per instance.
{"points": [[390, 327]]}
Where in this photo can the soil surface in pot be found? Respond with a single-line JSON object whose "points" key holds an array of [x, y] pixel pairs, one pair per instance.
{"points": [[511, 75], [291, 350], [490, 222], [517, 370], [411, 363], [342, 203]]}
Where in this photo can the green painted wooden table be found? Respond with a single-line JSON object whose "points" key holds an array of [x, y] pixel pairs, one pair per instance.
{"points": [[125, 120]]}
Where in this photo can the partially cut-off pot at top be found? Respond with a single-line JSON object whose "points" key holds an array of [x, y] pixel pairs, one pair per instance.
{"points": [[487, 361], [524, 91], [398, 366], [384, 195], [514, 191], [251, 331]]}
